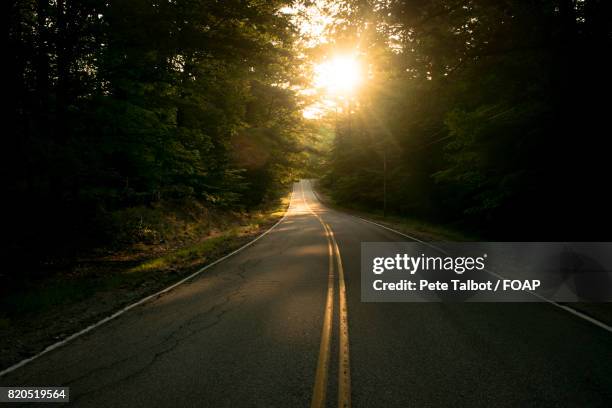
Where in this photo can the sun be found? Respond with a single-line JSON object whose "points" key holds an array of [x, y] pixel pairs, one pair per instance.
{"points": [[340, 75]]}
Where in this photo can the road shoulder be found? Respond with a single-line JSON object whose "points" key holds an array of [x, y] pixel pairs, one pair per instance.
{"points": [[56, 308]]}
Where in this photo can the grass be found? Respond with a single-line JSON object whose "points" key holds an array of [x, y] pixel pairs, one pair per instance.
{"points": [[422, 229], [184, 256], [139, 270], [215, 244], [419, 228], [177, 242]]}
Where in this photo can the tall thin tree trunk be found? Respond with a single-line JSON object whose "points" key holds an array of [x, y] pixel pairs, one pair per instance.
{"points": [[63, 60], [42, 61]]}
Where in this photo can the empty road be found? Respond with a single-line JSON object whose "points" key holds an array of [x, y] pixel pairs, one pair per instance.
{"points": [[281, 324]]}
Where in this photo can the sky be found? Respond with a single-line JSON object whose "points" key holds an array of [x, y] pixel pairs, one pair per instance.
{"points": [[335, 76]]}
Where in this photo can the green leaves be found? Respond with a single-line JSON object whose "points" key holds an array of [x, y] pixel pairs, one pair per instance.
{"points": [[122, 103], [482, 105]]}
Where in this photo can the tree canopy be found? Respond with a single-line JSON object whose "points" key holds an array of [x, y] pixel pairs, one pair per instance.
{"points": [[481, 113], [121, 103], [487, 114]]}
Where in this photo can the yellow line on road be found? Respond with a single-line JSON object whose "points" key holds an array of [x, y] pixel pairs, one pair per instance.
{"points": [[320, 386], [344, 372], [344, 366]]}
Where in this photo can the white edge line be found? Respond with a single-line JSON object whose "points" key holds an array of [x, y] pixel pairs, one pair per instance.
{"points": [[552, 302], [141, 301], [404, 235]]}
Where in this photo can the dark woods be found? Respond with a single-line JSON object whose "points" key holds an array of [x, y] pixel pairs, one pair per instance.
{"points": [[115, 104], [493, 115], [489, 114]]}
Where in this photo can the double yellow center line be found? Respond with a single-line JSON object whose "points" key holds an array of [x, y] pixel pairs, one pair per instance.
{"points": [[344, 370]]}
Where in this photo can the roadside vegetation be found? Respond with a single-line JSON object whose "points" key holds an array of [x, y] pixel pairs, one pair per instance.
{"points": [[416, 227], [124, 115], [484, 115], [143, 140], [61, 302]]}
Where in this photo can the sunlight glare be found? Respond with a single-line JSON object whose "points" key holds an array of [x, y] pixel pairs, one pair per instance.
{"points": [[339, 76]]}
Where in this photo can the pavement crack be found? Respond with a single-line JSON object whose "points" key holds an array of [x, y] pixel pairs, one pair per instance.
{"points": [[171, 341]]}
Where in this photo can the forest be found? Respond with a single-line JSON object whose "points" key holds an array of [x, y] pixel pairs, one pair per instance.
{"points": [[199, 195], [486, 115], [124, 104]]}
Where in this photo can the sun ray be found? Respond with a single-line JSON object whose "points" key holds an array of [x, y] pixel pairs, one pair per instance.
{"points": [[339, 76]]}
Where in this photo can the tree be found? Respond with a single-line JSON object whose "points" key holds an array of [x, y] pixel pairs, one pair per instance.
{"points": [[489, 109], [116, 104]]}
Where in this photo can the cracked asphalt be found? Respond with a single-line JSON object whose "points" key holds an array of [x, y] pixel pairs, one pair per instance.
{"points": [[246, 333]]}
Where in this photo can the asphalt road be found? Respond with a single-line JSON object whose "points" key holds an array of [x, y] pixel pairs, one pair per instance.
{"points": [[248, 333]]}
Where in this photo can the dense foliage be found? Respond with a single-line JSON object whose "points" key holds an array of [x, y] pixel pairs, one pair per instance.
{"points": [[113, 104], [489, 114]]}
